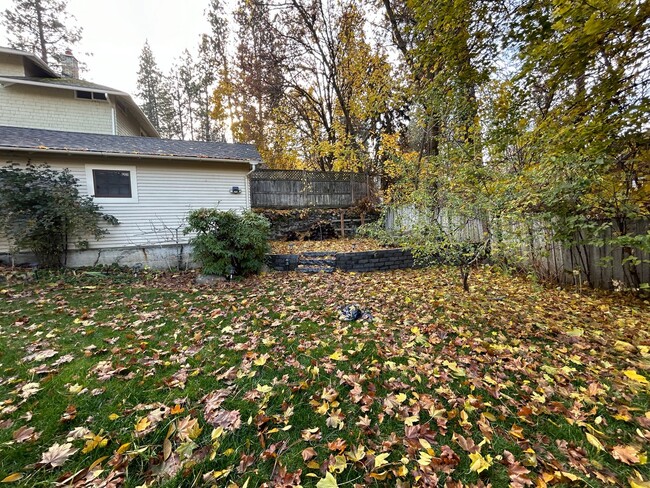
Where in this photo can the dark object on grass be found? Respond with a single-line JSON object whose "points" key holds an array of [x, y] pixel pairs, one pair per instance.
{"points": [[350, 313]]}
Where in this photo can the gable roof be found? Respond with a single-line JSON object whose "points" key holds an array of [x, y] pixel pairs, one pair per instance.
{"points": [[32, 59], [49, 78], [60, 142]]}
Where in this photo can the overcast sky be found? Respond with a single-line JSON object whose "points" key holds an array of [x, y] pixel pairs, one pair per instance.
{"points": [[115, 31]]}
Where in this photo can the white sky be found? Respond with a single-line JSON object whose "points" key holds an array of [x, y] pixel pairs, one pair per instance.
{"points": [[114, 32]]}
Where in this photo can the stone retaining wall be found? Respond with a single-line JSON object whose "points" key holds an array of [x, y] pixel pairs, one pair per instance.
{"points": [[282, 262], [379, 260]]}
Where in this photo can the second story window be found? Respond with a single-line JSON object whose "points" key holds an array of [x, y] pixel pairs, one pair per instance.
{"points": [[87, 95]]}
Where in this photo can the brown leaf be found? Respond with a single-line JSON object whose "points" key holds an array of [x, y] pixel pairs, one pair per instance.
{"points": [[626, 454], [308, 453], [57, 455], [25, 434]]}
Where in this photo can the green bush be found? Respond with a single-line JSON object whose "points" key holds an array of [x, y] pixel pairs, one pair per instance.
{"points": [[42, 211], [226, 242]]}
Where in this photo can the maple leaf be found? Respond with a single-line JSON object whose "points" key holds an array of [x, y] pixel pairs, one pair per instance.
{"points": [[25, 434], [380, 460], [328, 482], [308, 453], [228, 419], [479, 463], [633, 375], [187, 429], [57, 455], [626, 454], [93, 442]]}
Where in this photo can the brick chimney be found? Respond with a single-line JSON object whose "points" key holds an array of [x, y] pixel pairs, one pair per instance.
{"points": [[69, 65]]}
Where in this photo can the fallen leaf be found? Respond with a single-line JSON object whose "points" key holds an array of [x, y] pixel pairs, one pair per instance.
{"points": [[57, 455]]}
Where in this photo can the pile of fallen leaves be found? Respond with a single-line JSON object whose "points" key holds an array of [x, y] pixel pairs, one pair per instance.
{"points": [[260, 383], [333, 245]]}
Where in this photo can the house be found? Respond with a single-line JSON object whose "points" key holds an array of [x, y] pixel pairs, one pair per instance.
{"points": [[100, 134]]}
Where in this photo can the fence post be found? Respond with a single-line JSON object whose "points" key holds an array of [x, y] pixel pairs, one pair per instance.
{"points": [[342, 224], [352, 188]]}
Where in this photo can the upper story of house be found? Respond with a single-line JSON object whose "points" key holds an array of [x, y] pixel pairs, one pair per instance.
{"points": [[34, 95]]}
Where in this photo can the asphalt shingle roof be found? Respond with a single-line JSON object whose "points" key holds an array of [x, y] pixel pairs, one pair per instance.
{"points": [[69, 82], [59, 141]]}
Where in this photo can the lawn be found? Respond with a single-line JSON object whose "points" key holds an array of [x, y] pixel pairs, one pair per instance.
{"points": [[151, 381]]}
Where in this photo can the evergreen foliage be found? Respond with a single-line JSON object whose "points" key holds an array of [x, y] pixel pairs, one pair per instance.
{"points": [[41, 211], [42, 27], [227, 243]]}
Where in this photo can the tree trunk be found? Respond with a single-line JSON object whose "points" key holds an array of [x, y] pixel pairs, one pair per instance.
{"points": [[41, 32]]}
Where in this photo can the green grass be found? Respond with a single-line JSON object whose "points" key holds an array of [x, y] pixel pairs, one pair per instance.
{"points": [[530, 373]]}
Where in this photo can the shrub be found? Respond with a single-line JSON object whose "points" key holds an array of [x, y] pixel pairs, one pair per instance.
{"points": [[228, 243], [42, 211]]}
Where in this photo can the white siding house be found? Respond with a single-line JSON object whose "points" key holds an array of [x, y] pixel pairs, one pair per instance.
{"points": [[149, 184]]}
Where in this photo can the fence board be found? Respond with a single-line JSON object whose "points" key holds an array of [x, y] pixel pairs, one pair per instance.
{"points": [[302, 189], [533, 246]]}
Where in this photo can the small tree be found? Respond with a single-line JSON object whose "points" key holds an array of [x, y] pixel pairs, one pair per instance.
{"points": [[228, 243], [42, 211]]}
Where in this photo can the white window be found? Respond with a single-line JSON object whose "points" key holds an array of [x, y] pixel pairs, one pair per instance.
{"points": [[112, 184]]}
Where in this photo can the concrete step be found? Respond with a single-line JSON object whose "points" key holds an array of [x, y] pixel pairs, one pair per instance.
{"points": [[317, 262], [317, 254], [315, 269]]}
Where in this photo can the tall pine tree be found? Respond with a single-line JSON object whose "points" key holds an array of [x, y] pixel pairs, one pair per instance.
{"points": [[43, 27]]}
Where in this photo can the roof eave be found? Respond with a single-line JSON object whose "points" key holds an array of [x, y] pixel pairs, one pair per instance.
{"points": [[9, 80], [32, 57], [126, 155]]}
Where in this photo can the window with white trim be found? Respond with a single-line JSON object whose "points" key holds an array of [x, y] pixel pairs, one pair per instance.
{"points": [[112, 184]]}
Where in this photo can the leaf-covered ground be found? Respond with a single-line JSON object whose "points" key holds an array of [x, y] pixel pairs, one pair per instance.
{"points": [[150, 381], [334, 245]]}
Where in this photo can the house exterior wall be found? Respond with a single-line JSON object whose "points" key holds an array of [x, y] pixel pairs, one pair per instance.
{"points": [[11, 65], [166, 192], [54, 109], [126, 126]]}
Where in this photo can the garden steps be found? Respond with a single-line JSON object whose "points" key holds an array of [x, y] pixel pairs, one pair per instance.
{"points": [[316, 262]]}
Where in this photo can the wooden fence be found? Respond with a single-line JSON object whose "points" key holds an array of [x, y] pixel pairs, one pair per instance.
{"points": [[533, 246], [304, 189]]}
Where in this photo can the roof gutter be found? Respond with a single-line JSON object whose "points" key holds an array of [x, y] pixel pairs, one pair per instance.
{"points": [[125, 155]]}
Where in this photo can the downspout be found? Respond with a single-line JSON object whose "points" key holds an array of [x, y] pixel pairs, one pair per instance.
{"points": [[114, 119], [248, 186]]}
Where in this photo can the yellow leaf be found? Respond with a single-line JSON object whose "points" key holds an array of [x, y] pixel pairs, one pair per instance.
{"points": [[400, 397], [424, 459], [328, 482], [113, 416], [261, 361], [639, 483], [264, 388], [336, 355], [12, 477], [380, 459], [356, 453], [123, 448], [633, 375], [339, 464], [594, 442], [93, 442], [479, 463], [142, 424]]}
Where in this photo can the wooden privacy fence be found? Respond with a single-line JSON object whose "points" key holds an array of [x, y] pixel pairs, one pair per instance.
{"points": [[303, 189], [533, 246]]}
